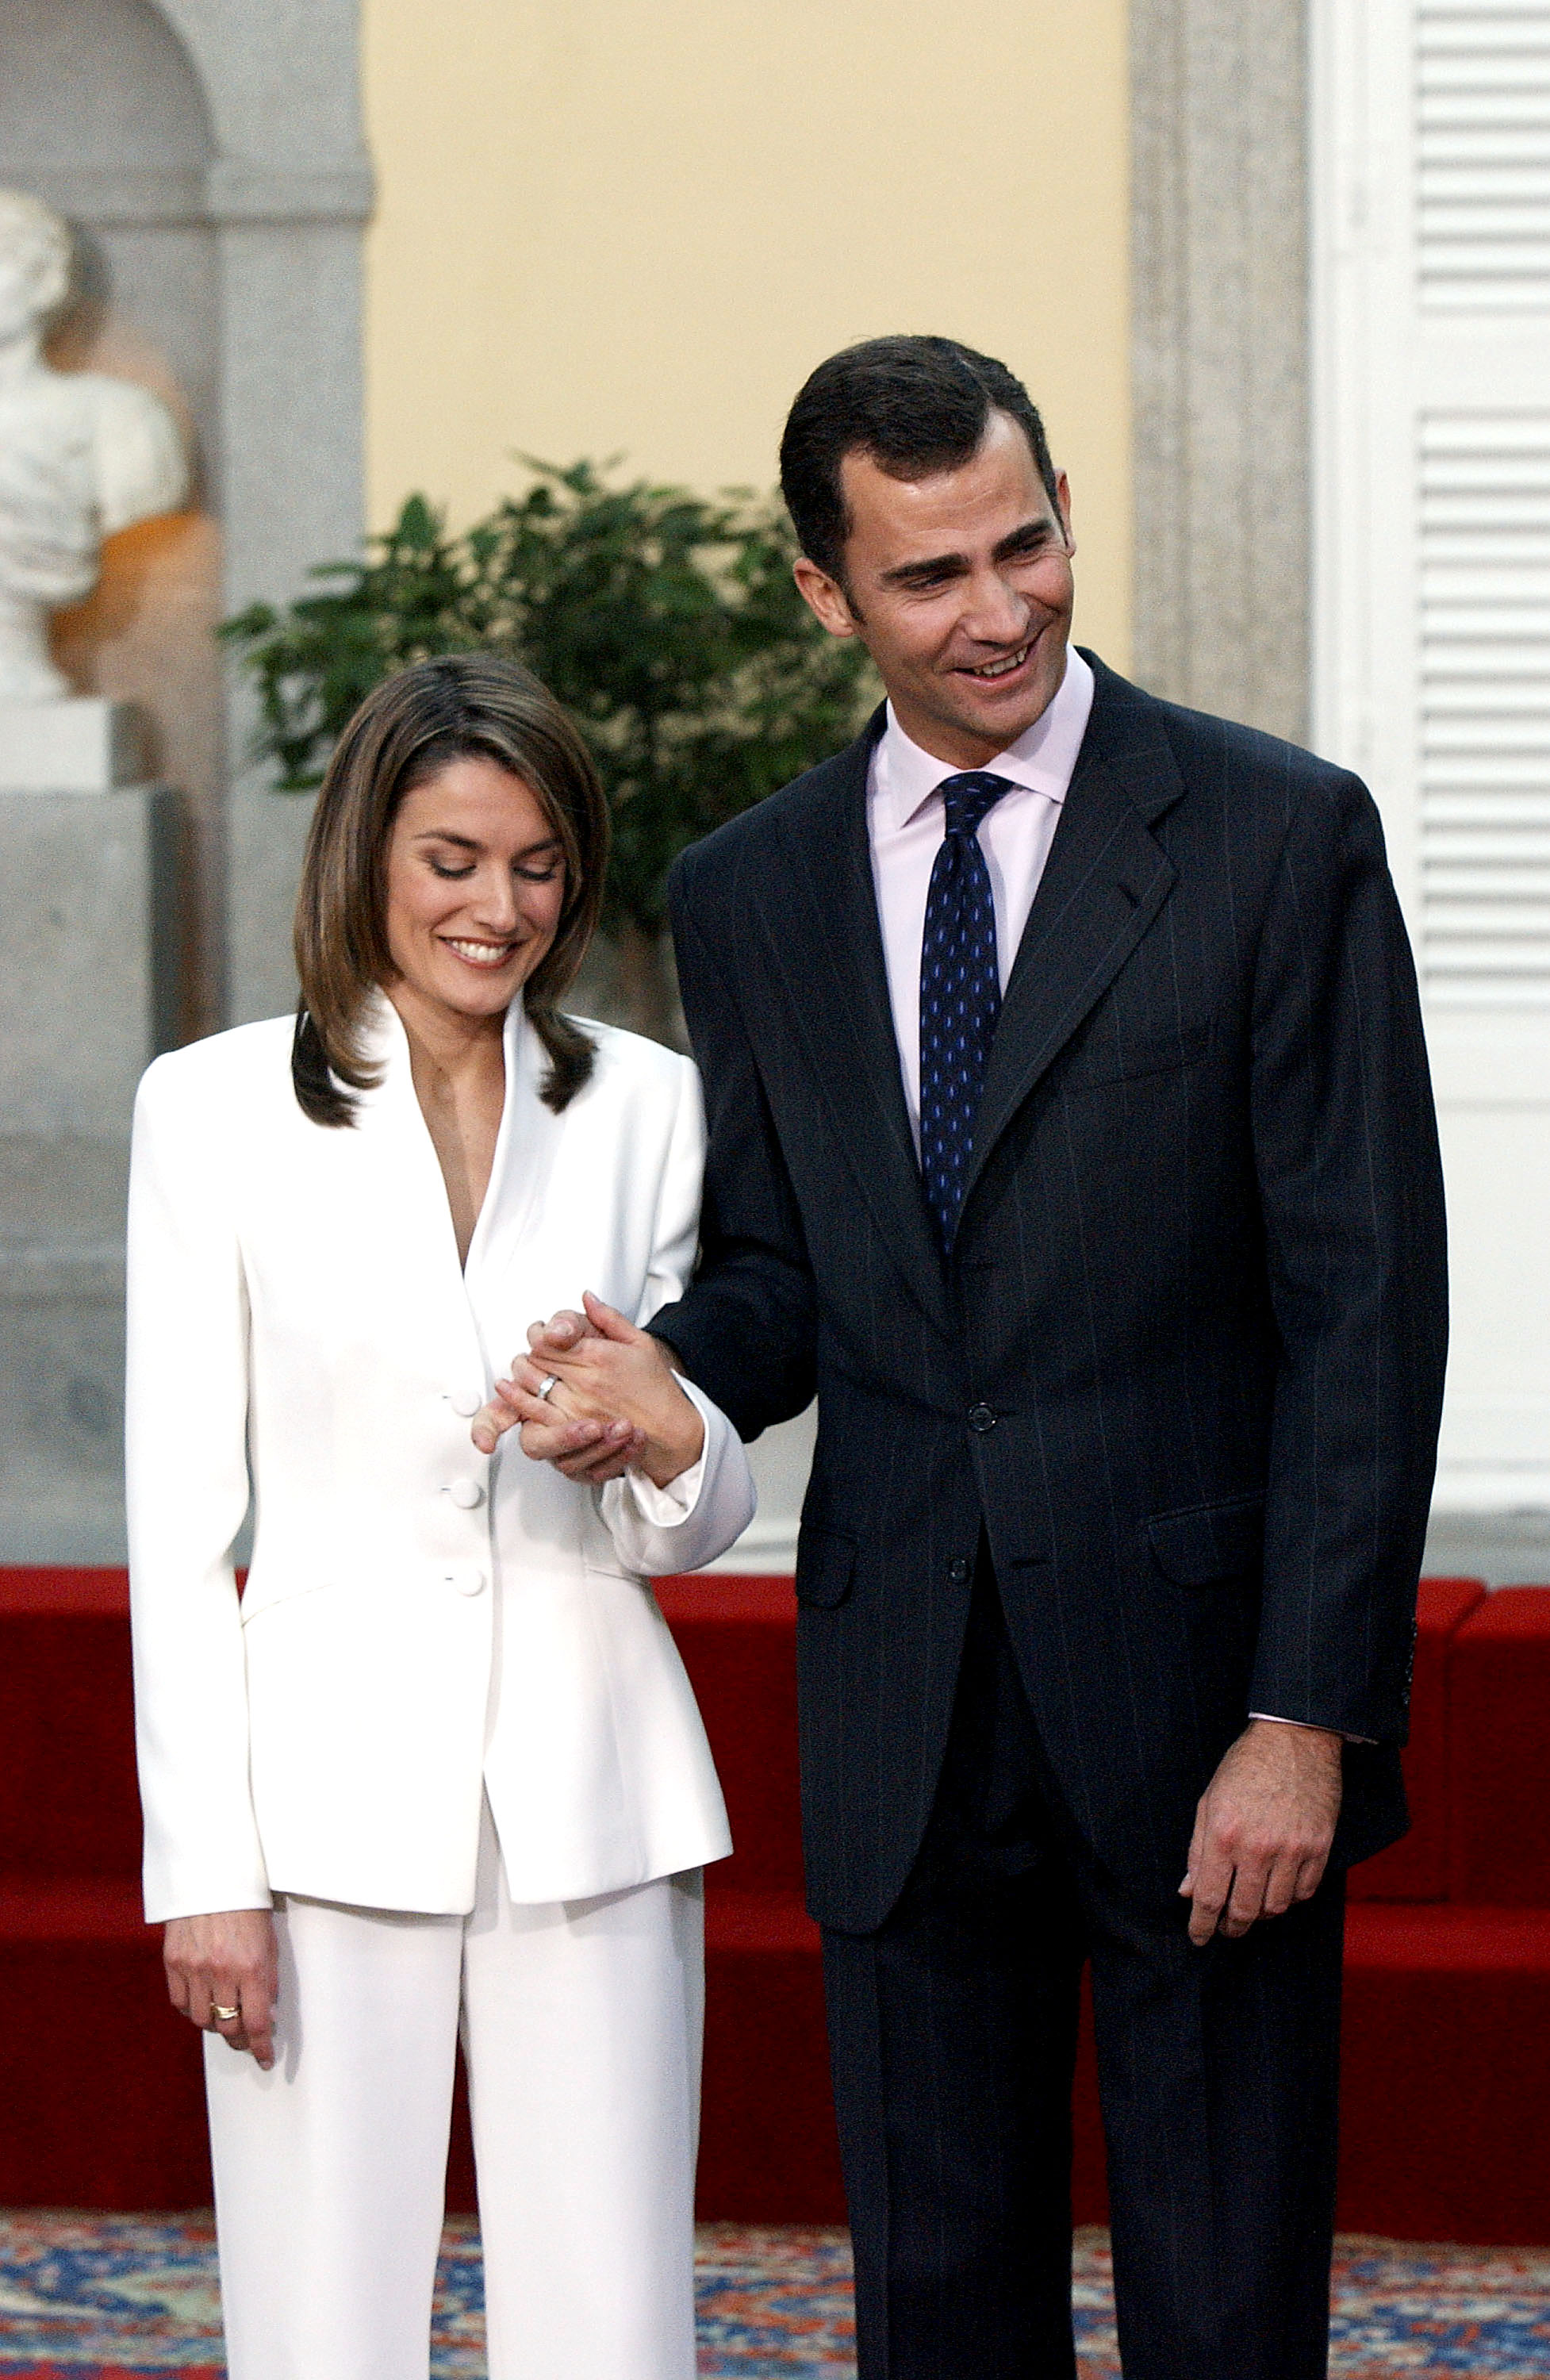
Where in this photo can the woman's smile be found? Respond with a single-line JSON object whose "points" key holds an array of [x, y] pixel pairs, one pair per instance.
{"points": [[480, 954]]}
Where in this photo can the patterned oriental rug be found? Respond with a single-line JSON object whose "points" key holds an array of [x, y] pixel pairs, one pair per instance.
{"points": [[88, 2297]]}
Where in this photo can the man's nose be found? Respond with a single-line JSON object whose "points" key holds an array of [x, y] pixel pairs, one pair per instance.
{"points": [[998, 613]]}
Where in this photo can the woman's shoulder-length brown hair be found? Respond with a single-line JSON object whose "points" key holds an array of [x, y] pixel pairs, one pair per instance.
{"points": [[408, 729]]}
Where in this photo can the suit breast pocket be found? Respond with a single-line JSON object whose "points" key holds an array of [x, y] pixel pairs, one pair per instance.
{"points": [[1110, 1054]]}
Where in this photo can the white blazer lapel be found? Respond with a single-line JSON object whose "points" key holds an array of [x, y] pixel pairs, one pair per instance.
{"points": [[524, 1152], [396, 1168]]}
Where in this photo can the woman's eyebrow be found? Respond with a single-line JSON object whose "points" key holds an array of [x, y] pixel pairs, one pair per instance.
{"points": [[469, 843]]}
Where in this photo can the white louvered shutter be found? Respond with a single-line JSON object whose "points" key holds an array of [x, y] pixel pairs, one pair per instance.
{"points": [[1432, 635], [1483, 491]]}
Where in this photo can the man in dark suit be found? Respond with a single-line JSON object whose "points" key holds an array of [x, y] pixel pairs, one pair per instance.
{"points": [[1071, 1135]]}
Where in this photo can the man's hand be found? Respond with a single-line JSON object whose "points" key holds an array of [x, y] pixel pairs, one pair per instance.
{"points": [[593, 1448], [1262, 1827], [227, 1961]]}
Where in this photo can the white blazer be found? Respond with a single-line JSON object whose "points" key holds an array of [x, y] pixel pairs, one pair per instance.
{"points": [[420, 1625]]}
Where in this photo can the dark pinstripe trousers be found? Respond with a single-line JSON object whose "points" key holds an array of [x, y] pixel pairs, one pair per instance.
{"points": [[952, 2034]]}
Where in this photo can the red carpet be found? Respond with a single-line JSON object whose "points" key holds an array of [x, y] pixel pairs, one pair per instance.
{"points": [[1447, 2036]]}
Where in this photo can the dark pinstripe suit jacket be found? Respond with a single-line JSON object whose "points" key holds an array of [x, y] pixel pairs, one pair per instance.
{"points": [[1185, 1364]]}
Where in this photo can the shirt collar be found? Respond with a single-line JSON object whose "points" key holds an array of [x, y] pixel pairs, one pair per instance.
{"points": [[1043, 757]]}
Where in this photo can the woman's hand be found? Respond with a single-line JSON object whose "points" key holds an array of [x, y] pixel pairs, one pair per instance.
{"points": [[592, 1449], [608, 1378], [227, 1961]]}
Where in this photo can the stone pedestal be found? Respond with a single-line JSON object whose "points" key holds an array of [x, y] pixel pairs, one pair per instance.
{"points": [[81, 746], [88, 996]]}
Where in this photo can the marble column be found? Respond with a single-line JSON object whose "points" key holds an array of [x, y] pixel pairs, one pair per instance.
{"points": [[1220, 321]]}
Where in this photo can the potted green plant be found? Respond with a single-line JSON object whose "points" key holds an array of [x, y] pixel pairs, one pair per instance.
{"points": [[668, 622]]}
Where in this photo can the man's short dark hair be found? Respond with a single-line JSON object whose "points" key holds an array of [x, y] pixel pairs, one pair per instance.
{"points": [[915, 404]]}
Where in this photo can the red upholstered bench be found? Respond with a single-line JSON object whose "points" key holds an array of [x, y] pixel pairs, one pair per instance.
{"points": [[1499, 1751], [101, 2098], [1446, 2072], [1446, 2102], [1447, 2059], [769, 2150]]}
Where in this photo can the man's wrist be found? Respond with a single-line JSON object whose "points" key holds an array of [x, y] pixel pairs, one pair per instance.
{"points": [[677, 1450], [1335, 1734]]}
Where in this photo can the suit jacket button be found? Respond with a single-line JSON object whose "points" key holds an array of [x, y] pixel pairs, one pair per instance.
{"points": [[981, 1418], [958, 1572], [466, 1577], [466, 1494], [464, 1401]]}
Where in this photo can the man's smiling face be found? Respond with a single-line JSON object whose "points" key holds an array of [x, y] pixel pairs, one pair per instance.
{"points": [[959, 587]]}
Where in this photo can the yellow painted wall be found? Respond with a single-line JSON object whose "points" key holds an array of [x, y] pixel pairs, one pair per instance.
{"points": [[635, 225]]}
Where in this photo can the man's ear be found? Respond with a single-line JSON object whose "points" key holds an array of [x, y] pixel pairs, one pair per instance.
{"points": [[1062, 501], [825, 598]]}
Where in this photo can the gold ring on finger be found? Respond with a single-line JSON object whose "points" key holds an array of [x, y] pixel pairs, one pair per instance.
{"points": [[224, 2015]]}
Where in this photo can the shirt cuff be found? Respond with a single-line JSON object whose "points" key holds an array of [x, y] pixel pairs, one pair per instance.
{"points": [[669, 1507], [1275, 1719]]}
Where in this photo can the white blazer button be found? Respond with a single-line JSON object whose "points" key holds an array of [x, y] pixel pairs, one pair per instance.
{"points": [[464, 1401], [466, 1494], [466, 1577]]}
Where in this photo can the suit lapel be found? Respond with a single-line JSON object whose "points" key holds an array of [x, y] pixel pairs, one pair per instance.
{"points": [[828, 949], [1106, 878]]}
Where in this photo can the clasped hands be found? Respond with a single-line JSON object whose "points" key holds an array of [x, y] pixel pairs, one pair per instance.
{"points": [[595, 1397]]}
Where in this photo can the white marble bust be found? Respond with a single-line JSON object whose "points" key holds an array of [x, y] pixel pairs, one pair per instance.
{"points": [[80, 454]]}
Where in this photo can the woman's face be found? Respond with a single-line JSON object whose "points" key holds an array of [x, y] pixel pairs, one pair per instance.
{"points": [[476, 881]]}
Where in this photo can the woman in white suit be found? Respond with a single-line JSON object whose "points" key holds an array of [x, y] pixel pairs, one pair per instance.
{"points": [[438, 1768]]}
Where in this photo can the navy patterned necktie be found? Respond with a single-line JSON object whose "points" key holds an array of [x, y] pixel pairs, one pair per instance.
{"points": [[959, 994]]}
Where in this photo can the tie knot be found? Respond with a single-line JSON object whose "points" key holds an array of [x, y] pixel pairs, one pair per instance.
{"points": [[966, 799]]}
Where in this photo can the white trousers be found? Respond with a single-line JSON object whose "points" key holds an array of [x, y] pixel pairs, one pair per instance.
{"points": [[581, 2025]]}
